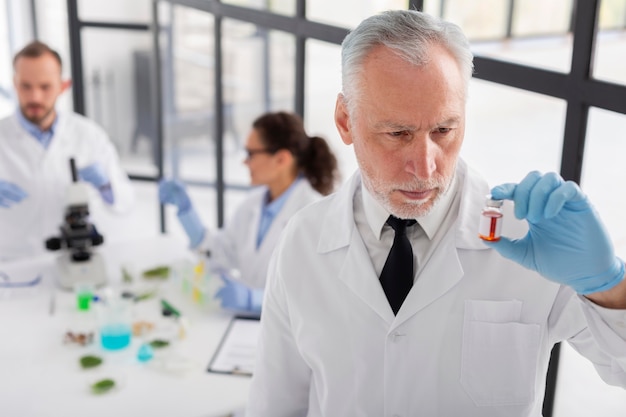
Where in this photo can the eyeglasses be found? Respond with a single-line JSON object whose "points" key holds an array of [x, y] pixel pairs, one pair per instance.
{"points": [[251, 152]]}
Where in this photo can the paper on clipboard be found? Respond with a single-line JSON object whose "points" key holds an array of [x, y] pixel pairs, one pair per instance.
{"points": [[236, 353]]}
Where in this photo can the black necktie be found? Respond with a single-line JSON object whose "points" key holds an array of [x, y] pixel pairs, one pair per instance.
{"points": [[397, 275]]}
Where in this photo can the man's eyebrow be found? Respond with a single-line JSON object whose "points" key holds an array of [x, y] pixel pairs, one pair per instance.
{"points": [[398, 127], [394, 126], [449, 121]]}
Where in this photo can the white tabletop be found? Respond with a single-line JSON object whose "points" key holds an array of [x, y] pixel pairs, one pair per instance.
{"points": [[41, 376]]}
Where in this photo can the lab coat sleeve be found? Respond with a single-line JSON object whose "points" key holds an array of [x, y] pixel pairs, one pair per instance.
{"points": [[281, 381], [592, 331], [608, 328]]}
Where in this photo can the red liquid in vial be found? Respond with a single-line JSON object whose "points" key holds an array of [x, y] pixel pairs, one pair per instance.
{"points": [[490, 225]]}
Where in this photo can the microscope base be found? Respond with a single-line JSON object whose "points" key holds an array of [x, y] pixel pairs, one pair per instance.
{"points": [[70, 272]]}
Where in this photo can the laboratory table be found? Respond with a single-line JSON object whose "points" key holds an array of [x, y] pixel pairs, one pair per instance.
{"points": [[40, 373]]}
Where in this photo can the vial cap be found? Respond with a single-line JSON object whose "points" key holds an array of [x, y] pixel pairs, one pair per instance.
{"points": [[492, 202]]}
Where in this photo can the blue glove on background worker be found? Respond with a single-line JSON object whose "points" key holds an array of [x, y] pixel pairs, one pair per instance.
{"points": [[173, 192], [96, 176], [10, 194], [236, 296], [566, 241]]}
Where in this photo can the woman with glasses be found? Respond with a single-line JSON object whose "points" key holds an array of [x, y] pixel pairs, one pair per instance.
{"points": [[292, 170]]}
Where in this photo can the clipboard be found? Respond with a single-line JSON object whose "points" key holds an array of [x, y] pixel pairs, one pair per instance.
{"points": [[236, 353]]}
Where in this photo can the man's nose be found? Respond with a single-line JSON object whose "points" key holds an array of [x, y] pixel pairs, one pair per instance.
{"points": [[420, 157], [34, 96]]}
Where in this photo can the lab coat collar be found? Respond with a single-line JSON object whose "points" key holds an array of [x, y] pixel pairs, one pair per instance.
{"points": [[339, 231], [42, 136], [338, 223]]}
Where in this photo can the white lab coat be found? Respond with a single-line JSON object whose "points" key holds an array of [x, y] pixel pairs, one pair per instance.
{"points": [[234, 246], [472, 339], [45, 176]]}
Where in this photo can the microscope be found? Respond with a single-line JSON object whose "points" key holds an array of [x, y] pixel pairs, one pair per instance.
{"points": [[78, 263]]}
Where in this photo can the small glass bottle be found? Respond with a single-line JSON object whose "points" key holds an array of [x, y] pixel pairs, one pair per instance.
{"points": [[490, 225]]}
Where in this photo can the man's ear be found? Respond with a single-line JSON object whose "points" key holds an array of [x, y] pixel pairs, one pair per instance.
{"points": [[342, 119], [65, 85]]}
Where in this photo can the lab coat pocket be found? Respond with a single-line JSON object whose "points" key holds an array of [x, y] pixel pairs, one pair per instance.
{"points": [[499, 360]]}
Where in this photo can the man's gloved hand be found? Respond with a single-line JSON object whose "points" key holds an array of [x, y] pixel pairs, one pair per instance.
{"points": [[238, 297], [94, 174], [566, 242], [97, 176], [173, 192], [10, 194]]}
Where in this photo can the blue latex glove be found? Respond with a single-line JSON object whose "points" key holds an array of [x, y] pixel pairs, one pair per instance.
{"points": [[238, 297], [193, 226], [173, 192], [10, 194], [97, 176], [566, 242], [94, 174]]}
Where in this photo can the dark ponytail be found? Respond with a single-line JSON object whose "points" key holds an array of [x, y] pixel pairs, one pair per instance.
{"points": [[314, 159], [319, 165]]}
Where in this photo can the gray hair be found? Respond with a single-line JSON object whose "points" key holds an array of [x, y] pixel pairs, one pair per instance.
{"points": [[409, 34]]}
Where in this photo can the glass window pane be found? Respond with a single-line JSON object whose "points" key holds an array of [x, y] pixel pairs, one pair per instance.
{"points": [[433, 7], [580, 391], [612, 14], [532, 18], [549, 47], [114, 93], [122, 11], [482, 19], [604, 173], [188, 85], [323, 83], [610, 50], [6, 64], [259, 76], [510, 132], [287, 7], [348, 13], [53, 28], [549, 53]]}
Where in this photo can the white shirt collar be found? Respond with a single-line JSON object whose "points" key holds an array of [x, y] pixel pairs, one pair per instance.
{"points": [[377, 215]]}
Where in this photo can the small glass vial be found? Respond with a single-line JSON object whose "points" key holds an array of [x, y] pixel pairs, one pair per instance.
{"points": [[490, 225]]}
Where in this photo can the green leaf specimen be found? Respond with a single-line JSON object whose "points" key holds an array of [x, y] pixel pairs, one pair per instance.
{"points": [[102, 386], [90, 361], [160, 272], [158, 343]]}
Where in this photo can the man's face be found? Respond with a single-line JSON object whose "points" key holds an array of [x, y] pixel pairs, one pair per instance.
{"points": [[407, 128], [38, 85]]}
